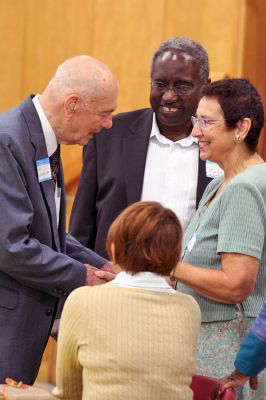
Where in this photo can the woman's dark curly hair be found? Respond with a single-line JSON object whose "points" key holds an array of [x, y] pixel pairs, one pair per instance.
{"points": [[238, 99]]}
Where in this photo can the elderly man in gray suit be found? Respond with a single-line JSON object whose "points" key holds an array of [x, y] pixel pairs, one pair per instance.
{"points": [[39, 263]]}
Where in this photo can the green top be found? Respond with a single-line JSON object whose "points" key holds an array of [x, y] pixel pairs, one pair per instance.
{"points": [[234, 223]]}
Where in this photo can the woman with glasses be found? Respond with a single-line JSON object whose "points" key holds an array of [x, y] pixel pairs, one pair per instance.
{"points": [[134, 338], [224, 260]]}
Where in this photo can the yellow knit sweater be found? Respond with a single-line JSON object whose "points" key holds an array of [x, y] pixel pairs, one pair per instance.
{"points": [[119, 343]]}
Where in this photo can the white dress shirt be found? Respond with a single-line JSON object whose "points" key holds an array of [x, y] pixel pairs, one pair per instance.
{"points": [[51, 145], [142, 280], [171, 173]]}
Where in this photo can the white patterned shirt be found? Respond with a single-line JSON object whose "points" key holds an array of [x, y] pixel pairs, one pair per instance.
{"points": [[171, 173]]}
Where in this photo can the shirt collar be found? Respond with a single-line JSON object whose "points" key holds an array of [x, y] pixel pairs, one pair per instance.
{"points": [[49, 135], [142, 280], [157, 136]]}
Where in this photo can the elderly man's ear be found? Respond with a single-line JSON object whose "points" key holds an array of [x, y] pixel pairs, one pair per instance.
{"points": [[71, 104]]}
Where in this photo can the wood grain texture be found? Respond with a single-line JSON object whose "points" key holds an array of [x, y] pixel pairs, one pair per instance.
{"points": [[254, 55], [54, 31], [126, 33], [215, 24], [12, 55]]}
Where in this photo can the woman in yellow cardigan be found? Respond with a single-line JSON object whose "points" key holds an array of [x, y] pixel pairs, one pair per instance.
{"points": [[134, 337]]}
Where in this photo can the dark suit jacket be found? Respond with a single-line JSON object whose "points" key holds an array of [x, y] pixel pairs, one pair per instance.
{"points": [[112, 176], [36, 270]]}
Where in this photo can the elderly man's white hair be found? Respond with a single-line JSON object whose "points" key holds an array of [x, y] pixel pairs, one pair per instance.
{"points": [[82, 75]]}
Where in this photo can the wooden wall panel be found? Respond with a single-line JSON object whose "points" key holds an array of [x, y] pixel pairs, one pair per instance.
{"points": [[208, 22], [55, 30], [47, 370], [254, 55], [126, 33], [12, 22]]}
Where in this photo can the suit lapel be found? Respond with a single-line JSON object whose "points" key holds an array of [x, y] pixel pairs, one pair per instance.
{"points": [[38, 143], [135, 146]]}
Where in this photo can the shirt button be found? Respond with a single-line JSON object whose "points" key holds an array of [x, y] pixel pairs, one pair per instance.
{"points": [[49, 312]]}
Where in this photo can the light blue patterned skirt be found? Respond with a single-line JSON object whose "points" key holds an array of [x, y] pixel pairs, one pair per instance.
{"points": [[217, 348]]}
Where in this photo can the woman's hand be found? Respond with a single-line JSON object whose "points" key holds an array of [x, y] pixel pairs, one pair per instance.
{"points": [[234, 380], [171, 280]]}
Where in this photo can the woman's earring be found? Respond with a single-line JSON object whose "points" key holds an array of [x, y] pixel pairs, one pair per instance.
{"points": [[237, 138]]}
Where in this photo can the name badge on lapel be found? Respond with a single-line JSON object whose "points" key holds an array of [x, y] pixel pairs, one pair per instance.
{"points": [[43, 170], [213, 170]]}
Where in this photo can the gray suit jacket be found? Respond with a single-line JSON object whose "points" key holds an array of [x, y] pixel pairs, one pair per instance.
{"points": [[112, 177], [36, 265]]}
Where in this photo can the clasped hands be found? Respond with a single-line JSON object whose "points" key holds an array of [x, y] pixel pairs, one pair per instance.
{"points": [[97, 276]]}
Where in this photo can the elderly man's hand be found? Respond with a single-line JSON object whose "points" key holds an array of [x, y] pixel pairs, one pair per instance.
{"points": [[233, 381], [97, 276], [106, 273]]}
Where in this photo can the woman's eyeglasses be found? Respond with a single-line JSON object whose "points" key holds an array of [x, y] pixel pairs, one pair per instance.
{"points": [[205, 122]]}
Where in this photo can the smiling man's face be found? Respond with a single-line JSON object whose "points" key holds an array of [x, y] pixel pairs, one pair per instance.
{"points": [[175, 90]]}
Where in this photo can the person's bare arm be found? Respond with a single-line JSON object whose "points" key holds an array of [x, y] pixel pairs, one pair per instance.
{"points": [[232, 284]]}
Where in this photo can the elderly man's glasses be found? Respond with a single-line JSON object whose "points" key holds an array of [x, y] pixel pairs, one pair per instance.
{"points": [[204, 122], [179, 88]]}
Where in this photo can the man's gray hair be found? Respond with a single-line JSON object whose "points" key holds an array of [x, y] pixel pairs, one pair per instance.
{"points": [[189, 47]]}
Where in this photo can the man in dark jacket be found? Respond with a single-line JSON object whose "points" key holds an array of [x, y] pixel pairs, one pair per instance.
{"points": [[148, 154]]}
